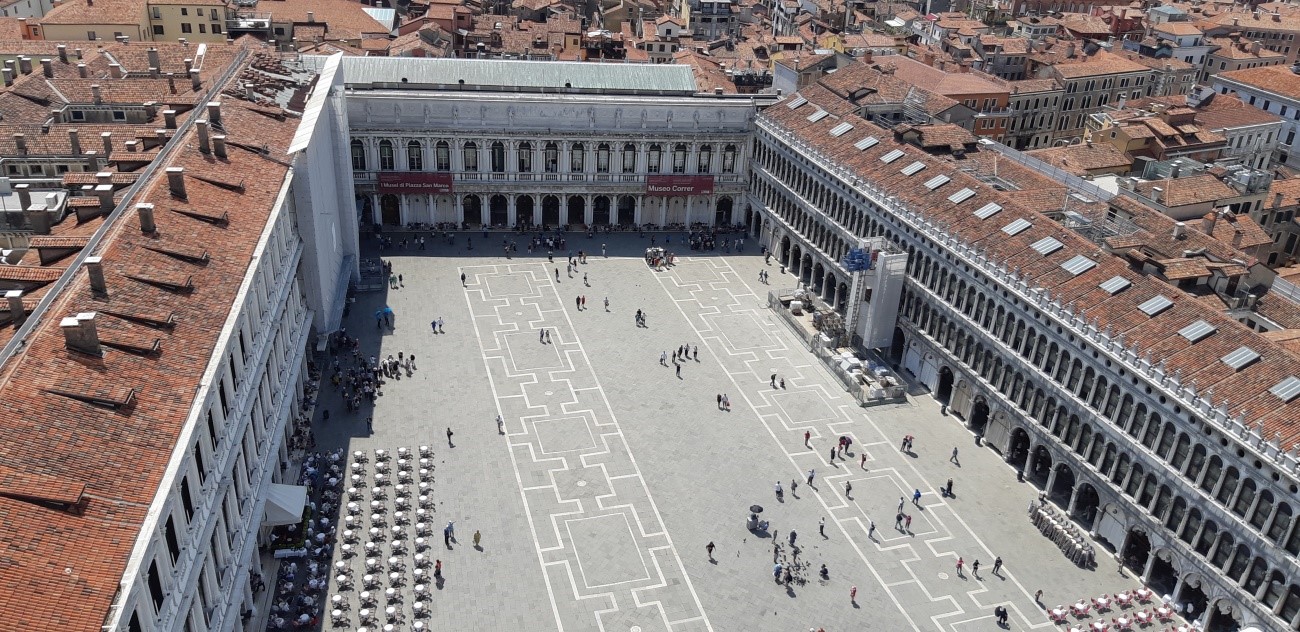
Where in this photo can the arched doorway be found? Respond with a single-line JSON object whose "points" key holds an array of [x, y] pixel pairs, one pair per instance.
{"points": [[473, 206], [1042, 467], [626, 210], [499, 210], [842, 298], [806, 269], [1192, 601], [391, 210], [1163, 577], [1062, 485], [1086, 502], [524, 210], [818, 278], [796, 258], [785, 251], [577, 210], [365, 210], [551, 210], [1222, 617], [1018, 449], [897, 347], [979, 416], [943, 391], [722, 216], [1137, 548], [600, 211]]}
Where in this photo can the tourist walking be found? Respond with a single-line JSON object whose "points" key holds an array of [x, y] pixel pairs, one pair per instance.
{"points": [[953, 458], [709, 547]]}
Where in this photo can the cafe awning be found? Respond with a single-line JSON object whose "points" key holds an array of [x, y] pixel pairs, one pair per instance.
{"points": [[284, 504]]}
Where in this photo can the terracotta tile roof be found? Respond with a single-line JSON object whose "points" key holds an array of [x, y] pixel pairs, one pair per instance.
{"points": [[1189, 190], [1103, 63], [1276, 79], [1228, 225], [1083, 159], [30, 274], [62, 569], [50, 241], [1240, 50], [344, 20], [953, 85], [1245, 390], [1183, 268], [1176, 28], [102, 12]]}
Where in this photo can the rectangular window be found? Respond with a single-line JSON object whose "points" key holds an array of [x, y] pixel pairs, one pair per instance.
{"points": [[173, 546], [216, 29], [186, 28], [187, 499], [156, 13], [157, 29], [203, 28], [90, 35], [185, 11], [155, 587]]}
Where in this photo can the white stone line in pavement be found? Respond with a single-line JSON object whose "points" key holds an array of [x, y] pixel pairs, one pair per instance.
{"points": [[519, 482], [573, 361]]}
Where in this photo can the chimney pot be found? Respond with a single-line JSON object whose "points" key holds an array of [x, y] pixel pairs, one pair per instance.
{"points": [[1180, 229], [92, 161], [1207, 223], [74, 139], [95, 271], [1236, 237], [115, 71], [82, 71], [38, 218], [24, 194], [16, 311], [311, 17], [145, 211], [47, 68], [25, 65], [21, 141], [79, 333], [96, 95], [196, 82], [63, 53], [77, 52], [108, 143], [176, 181], [9, 76], [189, 65], [202, 125], [132, 146], [171, 82], [153, 72], [169, 118], [104, 177], [214, 112], [1277, 200], [152, 55], [219, 146], [105, 194]]}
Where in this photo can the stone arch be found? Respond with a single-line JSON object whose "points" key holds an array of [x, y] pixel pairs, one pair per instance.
{"points": [[499, 210], [551, 210], [472, 205], [524, 211], [943, 391], [1017, 451], [577, 214]]}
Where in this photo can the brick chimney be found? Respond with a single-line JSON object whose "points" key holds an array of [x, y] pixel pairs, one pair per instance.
{"points": [[219, 146], [95, 271], [105, 194], [79, 333], [96, 96], [214, 112], [204, 145], [20, 140], [169, 119], [1207, 222], [176, 181], [107, 137], [75, 140], [16, 311], [145, 212], [196, 82], [38, 218], [92, 161]]}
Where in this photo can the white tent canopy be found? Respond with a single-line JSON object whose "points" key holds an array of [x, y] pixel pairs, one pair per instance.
{"points": [[284, 504]]}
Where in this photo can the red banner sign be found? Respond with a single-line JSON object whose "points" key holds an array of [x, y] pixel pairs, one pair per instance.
{"points": [[669, 186], [415, 182]]}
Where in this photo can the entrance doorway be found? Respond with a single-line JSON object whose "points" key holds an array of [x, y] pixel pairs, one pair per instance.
{"points": [[473, 206], [551, 210], [626, 210], [722, 216], [944, 392], [600, 211], [979, 416], [500, 210], [391, 210], [577, 210], [524, 210]]}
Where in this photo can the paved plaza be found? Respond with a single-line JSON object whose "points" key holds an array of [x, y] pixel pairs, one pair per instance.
{"points": [[613, 473]]}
